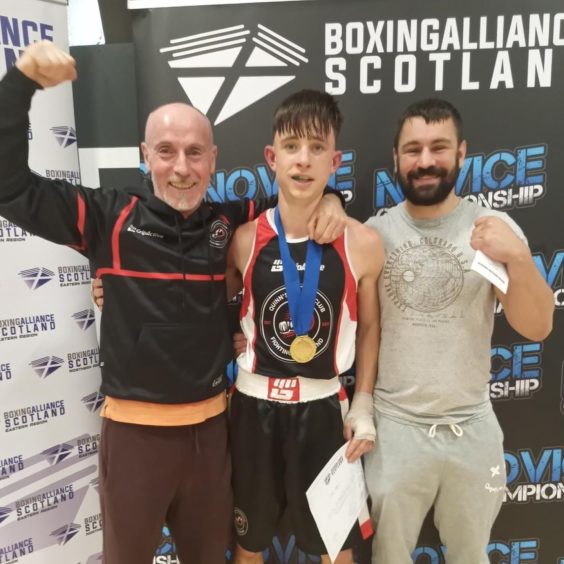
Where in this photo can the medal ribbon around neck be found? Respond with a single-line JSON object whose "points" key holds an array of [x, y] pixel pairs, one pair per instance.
{"points": [[301, 299]]}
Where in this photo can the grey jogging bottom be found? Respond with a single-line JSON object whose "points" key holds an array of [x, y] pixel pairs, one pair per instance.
{"points": [[460, 469]]}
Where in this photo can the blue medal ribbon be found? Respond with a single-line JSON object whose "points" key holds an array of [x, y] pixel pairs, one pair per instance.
{"points": [[301, 298]]}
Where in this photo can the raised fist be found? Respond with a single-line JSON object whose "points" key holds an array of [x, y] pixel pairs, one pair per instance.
{"points": [[46, 64]]}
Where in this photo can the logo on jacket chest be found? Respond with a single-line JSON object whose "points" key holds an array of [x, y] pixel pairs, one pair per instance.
{"points": [[220, 233], [144, 232]]}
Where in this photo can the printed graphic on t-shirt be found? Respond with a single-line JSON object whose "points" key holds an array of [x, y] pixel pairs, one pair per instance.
{"points": [[276, 326], [425, 276]]}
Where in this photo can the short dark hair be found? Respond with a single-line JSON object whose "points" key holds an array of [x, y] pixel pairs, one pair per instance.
{"points": [[308, 112], [432, 110]]}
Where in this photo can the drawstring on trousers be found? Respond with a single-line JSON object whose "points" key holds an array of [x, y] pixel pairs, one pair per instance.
{"points": [[456, 429]]}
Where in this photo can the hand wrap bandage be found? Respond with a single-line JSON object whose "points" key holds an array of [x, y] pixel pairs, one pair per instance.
{"points": [[361, 416]]}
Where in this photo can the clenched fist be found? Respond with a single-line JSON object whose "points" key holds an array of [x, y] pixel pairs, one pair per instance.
{"points": [[46, 64], [495, 238]]}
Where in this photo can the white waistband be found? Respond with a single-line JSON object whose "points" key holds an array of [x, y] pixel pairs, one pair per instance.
{"points": [[286, 390]]}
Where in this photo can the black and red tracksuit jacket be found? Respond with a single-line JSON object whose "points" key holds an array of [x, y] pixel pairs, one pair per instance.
{"points": [[164, 333]]}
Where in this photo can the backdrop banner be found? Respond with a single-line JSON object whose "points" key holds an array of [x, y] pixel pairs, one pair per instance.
{"points": [[502, 65], [49, 376]]}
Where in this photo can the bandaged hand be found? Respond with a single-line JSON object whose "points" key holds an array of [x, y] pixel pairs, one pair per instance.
{"points": [[359, 426], [360, 418]]}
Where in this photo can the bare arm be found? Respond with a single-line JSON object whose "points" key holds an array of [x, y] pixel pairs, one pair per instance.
{"points": [[367, 255], [529, 303], [238, 256]]}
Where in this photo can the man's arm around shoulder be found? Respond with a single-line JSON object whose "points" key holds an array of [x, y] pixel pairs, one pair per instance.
{"points": [[327, 222]]}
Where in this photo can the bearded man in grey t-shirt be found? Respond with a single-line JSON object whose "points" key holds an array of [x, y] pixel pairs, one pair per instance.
{"points": [[439, 442]]}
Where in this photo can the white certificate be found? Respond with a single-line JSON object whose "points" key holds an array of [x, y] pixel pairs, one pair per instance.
{"points": [[492, 270], [336, 498]]}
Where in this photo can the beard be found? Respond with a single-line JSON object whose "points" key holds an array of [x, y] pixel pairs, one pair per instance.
{"points": [[431, 194]]}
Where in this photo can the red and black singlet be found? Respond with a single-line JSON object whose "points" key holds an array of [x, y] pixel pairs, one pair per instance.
{"points": [[265, 316]]}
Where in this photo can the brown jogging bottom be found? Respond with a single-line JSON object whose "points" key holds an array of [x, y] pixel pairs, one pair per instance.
{"points": [[179, 475]]}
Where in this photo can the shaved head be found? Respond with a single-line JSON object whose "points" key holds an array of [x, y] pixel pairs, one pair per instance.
{"points": [[180, 155], [169, 114]]}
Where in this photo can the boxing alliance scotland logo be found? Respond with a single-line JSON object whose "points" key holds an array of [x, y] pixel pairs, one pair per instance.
{"points": [[65, 135], [46, 365], [4, 513], [93, 401], [84, 319], [247, 68], [58, 453], [65, 533], [35, 277]]}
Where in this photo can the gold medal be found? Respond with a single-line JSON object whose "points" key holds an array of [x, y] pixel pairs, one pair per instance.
{"points": [[303, 349]]}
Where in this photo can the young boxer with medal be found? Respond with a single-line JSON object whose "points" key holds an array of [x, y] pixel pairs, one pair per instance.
{"points": [[306, 310]]}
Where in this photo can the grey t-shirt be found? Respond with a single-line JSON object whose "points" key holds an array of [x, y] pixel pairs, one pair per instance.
{"points": [[437, 317]]}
